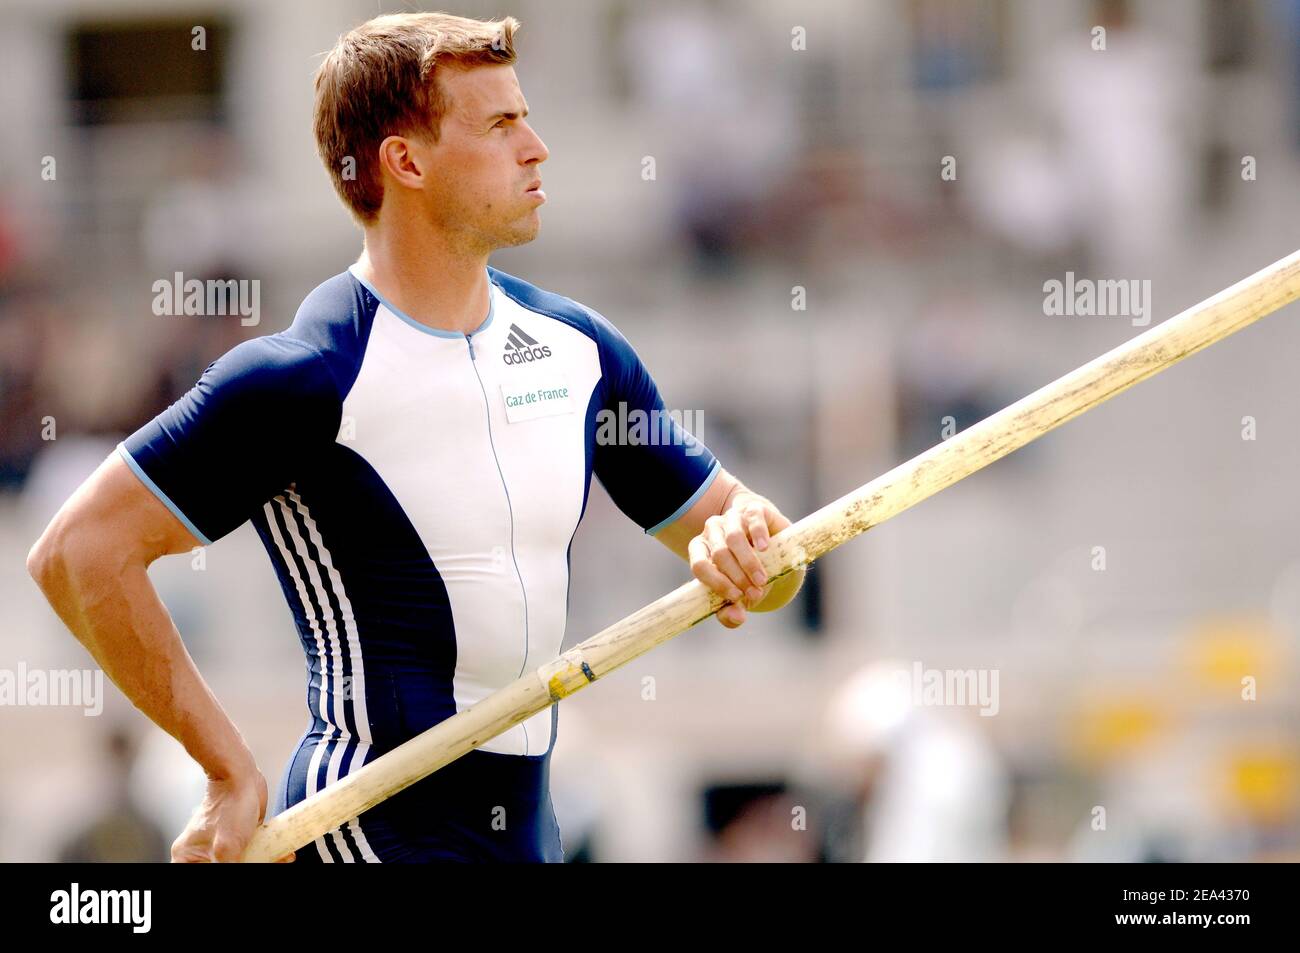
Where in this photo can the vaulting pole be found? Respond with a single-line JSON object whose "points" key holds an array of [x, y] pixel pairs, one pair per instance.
{"points": [[798, 545]]}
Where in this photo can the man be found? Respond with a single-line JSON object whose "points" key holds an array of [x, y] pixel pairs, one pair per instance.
{"points": [[415, 452]]}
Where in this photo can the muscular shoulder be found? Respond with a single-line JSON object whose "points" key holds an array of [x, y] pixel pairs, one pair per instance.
{"points": [[617, 357], [334, 321], [274, 366], [239, 435]]}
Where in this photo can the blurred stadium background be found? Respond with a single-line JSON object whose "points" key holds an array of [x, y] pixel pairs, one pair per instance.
{"points": [[1120, 578]]}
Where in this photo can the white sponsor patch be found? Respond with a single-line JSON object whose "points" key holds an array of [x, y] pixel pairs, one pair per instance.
{"points": [[535, 392]]}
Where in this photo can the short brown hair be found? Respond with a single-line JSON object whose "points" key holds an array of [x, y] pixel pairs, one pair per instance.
{"points": [[380, 81]]}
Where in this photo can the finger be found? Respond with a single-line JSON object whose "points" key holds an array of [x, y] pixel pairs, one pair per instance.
{"points": [[703, 569], [726, 562], [738, 542], [720, 554], [756, 519]]}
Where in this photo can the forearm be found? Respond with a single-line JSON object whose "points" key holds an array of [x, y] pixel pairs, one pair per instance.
{"points": [[111, 606]]}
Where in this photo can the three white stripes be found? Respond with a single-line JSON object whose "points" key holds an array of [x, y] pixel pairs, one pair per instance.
{"points": [[329, 649]]}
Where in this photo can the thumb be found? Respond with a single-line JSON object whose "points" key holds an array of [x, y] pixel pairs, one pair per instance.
{"points": [[732, 616]]}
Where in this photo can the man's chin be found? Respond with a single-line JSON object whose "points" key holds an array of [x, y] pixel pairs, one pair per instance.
{"points": [[521, 235]]}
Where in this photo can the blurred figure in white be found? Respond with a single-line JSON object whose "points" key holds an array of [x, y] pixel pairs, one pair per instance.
{"points": [[1124, 103], [929, 786], [1114, 168]]}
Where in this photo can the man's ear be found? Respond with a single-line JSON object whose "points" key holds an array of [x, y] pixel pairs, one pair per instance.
{"points": [[399, 158]]}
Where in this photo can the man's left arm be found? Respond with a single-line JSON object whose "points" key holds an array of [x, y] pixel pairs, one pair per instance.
{"points": [[720, 536]]}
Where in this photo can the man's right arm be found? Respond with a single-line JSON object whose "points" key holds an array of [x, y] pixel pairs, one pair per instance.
{"points": [[91, 564], [188, 477]]}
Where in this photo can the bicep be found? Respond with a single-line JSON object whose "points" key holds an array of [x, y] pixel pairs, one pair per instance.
{"points": [[132, 511], [111, 517]]}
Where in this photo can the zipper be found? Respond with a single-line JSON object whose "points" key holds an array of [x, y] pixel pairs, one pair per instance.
{"points": [[510, 509]]}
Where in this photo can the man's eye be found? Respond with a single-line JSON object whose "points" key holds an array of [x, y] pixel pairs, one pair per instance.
{"points": [[499, 124]]}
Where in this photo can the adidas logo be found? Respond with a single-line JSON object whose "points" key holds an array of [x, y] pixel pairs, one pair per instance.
{"points": [[522, 349]]}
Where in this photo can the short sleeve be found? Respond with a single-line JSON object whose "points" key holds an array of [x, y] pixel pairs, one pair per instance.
{"points": [[240, 435], [647, 459]]}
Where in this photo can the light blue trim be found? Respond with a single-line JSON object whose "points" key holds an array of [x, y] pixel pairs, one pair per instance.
{"points": [[436, 332], [176, 510], [708, 481]]}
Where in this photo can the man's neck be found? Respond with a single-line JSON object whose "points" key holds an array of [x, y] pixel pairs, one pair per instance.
{"points": [[430, 282]]}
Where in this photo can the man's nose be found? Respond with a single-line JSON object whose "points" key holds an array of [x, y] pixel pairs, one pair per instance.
{"points": [[536, 150]]}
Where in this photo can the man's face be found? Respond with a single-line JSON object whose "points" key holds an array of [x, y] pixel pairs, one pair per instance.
{"points": [[483, 178]]}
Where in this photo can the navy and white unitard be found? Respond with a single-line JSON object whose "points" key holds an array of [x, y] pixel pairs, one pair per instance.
{"points": [[417, 491]]}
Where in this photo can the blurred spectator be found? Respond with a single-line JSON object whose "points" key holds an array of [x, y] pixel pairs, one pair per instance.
{"points": [[122, 833], [929, 787], [1124, 117]]}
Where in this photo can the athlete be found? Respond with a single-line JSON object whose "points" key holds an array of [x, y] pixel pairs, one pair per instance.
{"points": [[415, 452]]}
